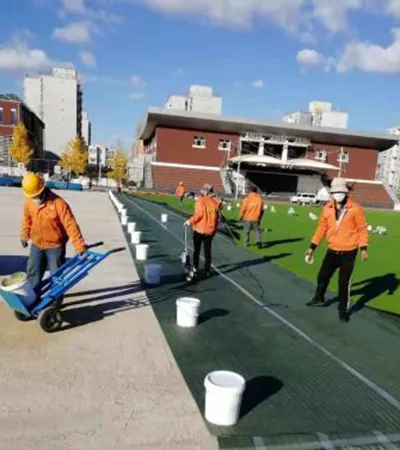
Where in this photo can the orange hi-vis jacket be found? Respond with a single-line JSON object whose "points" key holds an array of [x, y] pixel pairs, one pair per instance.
{"points": [[252, 208], [180, 191], [218, 202], [347, 233], [205, 217], [51, 224]]}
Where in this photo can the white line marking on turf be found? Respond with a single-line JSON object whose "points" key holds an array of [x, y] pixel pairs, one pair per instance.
{"points": [[385, 441], [325, 442], [258, 443], [369, 383], [336, 444]]}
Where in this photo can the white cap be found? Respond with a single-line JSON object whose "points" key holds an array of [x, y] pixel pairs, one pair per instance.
{"points": [[339, 185]]}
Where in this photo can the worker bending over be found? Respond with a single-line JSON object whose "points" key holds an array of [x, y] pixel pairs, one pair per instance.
{"points": [[204, 223], [48, 223], [343, 225], [251, 213]]}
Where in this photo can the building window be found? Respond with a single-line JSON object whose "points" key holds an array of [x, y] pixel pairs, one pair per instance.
{"points": [[224, 144], [1, 115], [320, 155], [344, 157], [13, 116], [199, 142]]}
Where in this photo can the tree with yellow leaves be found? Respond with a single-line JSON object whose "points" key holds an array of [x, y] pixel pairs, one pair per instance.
{"points": [[75, 159], [20, 150], [119, 167]]}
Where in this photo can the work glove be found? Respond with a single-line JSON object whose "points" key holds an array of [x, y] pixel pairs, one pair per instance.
{"points": [[82, 252], [24, 243], [187, 223]]}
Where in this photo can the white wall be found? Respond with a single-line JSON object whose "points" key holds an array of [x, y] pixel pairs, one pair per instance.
{"points": [[207, 105], [334, 119], [57, 100], [309, 184], [86, 135], [176, 102]]}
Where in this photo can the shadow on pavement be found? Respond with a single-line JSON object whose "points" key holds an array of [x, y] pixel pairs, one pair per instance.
{"points": [[84, 315], [258, 390], [103, 290], [369, 290], [211, 314]]}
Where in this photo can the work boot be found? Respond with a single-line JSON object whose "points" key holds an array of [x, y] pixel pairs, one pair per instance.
{"points": [[315, 301], [344, 315], [319, 297]]}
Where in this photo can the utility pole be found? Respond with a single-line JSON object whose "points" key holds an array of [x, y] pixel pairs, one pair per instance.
{"points": [[341, 162], [99, 163], [238, 170]]}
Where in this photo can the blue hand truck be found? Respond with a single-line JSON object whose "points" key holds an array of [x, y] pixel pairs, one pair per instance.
{"points": [[46, 309]]}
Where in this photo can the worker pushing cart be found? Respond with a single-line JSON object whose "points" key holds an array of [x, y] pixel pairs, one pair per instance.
{"points": [[48, 223], [46, 307]]}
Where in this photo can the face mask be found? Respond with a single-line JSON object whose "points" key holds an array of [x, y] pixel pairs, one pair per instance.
{"points": [[339, 197]]}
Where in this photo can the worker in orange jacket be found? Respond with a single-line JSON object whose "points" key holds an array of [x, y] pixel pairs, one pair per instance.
{"points": [[251, 213], [204, 223], [343, 225], [48, 223], [180, 193]]}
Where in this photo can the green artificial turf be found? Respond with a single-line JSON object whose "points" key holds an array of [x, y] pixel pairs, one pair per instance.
{"points": [[375, 282]]}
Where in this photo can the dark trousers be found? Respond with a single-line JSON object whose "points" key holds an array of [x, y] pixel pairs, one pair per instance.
{"points": [[344, 261], [198, 240], [42, 259], [248, 227]]}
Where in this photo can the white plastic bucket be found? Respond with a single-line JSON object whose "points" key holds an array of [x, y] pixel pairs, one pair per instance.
{"points": [[187, 312], [135, 237], [141, 252], [124, 220], [164, 218], [229, 207], [18, 284], [152, 273], [224, 392], [131, 227], [123, 213]]}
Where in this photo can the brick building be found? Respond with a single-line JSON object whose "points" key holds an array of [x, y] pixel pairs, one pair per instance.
{"points": [[12, 111], [278, 157]]}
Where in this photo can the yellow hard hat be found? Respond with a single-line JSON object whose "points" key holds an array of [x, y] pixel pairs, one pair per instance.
{"points": [[33, 185]]}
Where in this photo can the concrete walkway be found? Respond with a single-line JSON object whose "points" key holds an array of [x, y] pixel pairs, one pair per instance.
{"points": [[108, 380]]}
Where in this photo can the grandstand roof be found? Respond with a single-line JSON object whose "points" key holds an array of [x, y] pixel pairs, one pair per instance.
{"points": [[160, 117]]}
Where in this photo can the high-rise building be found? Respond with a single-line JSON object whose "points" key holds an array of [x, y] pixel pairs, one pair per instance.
{"points": [[389, 163], [199, 99], [319, 114], [86, 128], [57, 99]]}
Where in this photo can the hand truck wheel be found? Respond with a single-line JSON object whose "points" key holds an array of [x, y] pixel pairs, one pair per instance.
{"points": [[50, 319]]}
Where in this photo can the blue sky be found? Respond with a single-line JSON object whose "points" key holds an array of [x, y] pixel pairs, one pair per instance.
{"points": [[264, 57]]}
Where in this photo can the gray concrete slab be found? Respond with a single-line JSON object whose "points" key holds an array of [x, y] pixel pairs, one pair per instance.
{"points": [[106, 381]]}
